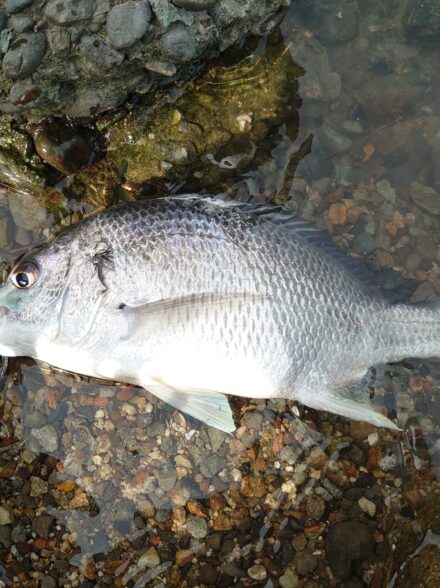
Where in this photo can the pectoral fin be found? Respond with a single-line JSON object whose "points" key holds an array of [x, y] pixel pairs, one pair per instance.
{"points": [[207, 406]]}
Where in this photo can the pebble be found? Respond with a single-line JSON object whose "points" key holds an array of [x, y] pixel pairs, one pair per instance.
{"points": [[161, 67], [5, 516], [38, 486], [96, 50], [194, 5], [127, 23], [335, 141], [364, 243], [426, 197], [337, 213], [41, 525], [347, 542], [373, 438], [17, 5], [47, 437], [150, 559], [367, 506], [289, 579], [197, 527], [64, 147], [59, 40], [21, 22], [178, 44], [257, 572], [66, 12], [24, 56], [386, 190]]}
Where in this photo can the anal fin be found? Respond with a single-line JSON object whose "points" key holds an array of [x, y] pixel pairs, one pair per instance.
{"points": [[207, 406], [358, 411]]}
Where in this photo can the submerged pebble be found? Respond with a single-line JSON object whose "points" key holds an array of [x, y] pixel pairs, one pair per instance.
{"points": [[65, 148]]}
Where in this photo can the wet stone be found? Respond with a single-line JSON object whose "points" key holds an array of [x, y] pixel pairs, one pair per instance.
{"points": [[41, 525], [197, 527], [257, 572], [17, 5], [364, 243], [97, 51], [66, 12], [149, 559], [24, 56], [21, 22], [5, 537], [47, 438], [289, 579], [127, 23], [18, 534], [348, 542], [178, 44], [335, 141], [194, 5], [306, 562], [64, 147], [5, 516], [59, 40]]}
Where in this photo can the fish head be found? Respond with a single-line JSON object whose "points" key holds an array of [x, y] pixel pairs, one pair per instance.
{"points": [[31, 297]]}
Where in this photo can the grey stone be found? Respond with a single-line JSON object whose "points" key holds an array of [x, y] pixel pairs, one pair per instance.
{"points": [[3, 20], [335, 141], [5, 537], [212, 466], [21, 22], [17, 5], [364, 243], [161, 67], [59, 40], [194, 5], [18, 534], [26, 211], [178, 44], [47, 437], [38, 486], [197, 527], [48, 582], [41, 525], [348, 542], [66, 12], [24, 55], [34, 420], [127, 23], [24, 93], [97, 51], [426, 198]]}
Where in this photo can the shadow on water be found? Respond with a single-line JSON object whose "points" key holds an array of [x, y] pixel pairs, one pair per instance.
{"points": [[335, 114]]}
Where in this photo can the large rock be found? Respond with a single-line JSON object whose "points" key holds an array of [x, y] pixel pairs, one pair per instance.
{"points": [[98, 52]]}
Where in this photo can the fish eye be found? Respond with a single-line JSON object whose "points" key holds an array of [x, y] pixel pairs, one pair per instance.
{"points": [[25, 274]]}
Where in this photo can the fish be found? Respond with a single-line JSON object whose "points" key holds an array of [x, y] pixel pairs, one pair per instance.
{"points": [[198, 297]]}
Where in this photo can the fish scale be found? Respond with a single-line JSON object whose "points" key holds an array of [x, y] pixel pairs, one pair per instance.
{"points": [[196, 297]]}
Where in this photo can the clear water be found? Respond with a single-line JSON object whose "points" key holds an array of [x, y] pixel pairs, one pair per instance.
{"points": [[144, 496]]}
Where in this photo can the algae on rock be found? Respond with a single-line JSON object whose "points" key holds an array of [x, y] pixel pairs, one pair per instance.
{"points": [[213, 127]]}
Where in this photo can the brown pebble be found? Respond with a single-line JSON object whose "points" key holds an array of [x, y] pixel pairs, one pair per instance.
{"points": [[222, 523], [252, 486], [217, 501], [125, 394], [337, 213], [183, 556]]}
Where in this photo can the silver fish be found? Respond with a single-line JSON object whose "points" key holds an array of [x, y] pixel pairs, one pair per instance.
{"points": [[193, 298]]}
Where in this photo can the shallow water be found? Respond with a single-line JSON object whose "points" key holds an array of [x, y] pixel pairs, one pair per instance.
{"points": [[104, 485]]}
